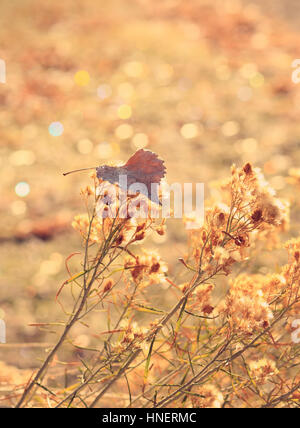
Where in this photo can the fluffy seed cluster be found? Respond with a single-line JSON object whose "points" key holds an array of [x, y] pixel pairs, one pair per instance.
{"points": [[262, 370], [291, 274], [147, 268], [252, 299], [133, 215], [132, 336], [112, 201], [201, 299], [207, 397], [246, 305], [98, 230], [249, 211]]}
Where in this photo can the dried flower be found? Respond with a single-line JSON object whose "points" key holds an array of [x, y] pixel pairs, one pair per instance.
{"points": [[207, 397], [262, 370], [147, 268]]}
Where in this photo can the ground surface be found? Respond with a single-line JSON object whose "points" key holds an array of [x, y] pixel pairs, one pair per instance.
{"points": [[220, 66]]}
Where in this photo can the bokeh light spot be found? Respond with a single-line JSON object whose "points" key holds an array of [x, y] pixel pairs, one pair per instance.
{"points": [[22, 189], [124, 111], [104, 150], [257, 81], [230, 128], [124, 131], [56, 129], [249, 145], [18, 208], [134, 69], [51, 266], [82, 78], [140, 140], [22, 157], [85, 146], [189, 130], [244, 93], [104, 91]]}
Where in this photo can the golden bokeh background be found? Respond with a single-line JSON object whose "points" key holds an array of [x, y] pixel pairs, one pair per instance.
{"points": [[203, 83]]}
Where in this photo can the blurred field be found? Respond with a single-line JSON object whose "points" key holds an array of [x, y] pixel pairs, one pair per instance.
{"points": [[221, 67]]}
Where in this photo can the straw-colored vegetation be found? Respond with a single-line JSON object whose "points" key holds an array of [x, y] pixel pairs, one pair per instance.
{"points": [[145, 312]]}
